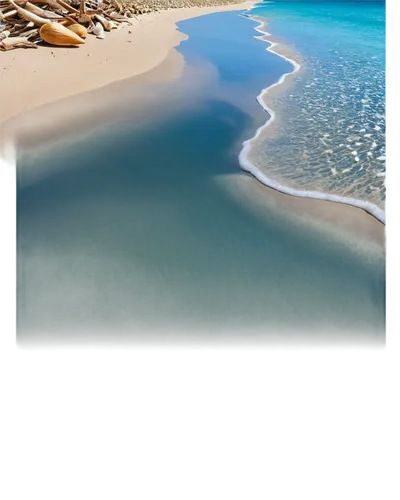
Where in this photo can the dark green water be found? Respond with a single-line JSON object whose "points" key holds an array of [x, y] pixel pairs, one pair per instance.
{"points": [[130, 233]]}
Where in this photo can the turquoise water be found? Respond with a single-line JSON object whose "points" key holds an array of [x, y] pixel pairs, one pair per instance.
{"points": [[131, 231], [331, 131]]}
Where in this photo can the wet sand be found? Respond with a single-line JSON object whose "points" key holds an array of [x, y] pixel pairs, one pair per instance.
{"points": [[332, 221]]}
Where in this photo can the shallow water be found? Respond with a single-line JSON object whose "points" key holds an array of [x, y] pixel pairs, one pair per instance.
{"points": [[331, 133], [130, 232]]}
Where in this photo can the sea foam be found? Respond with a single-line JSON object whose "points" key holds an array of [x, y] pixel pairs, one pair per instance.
{"points": [[248, 166]]}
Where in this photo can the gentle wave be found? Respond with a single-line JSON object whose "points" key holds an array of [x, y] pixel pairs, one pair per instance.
{"points": [[249, 167]]}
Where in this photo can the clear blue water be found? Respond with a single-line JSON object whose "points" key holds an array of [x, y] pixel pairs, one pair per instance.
{"points": [[331, 131], [133, 228]]}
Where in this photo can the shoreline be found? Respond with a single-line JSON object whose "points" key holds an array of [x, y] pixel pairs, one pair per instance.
{"points": [[56, 73], [337, 216], [249, 167]]}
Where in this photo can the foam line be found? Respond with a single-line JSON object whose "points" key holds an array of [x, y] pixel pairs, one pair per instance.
{"points": [[249, 167]]}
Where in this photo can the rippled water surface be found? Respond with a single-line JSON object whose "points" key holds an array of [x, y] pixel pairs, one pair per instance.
{"points": [[330, 131]]}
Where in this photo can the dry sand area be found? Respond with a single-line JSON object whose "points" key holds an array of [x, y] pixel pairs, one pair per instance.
{"points": [[30, 78]]}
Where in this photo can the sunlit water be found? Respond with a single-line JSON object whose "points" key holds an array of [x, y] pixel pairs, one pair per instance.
{"points": [[331, 132]]}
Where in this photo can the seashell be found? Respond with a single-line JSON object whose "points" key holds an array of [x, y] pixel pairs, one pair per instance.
{"points": [[4, 35], [78, 29], [56, 34], [98, 30]]}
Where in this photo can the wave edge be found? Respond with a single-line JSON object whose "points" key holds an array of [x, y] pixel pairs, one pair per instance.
{"points": [[249, 167]]}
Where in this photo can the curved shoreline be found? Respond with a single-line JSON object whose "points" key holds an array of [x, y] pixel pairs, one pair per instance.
{"points": [[249, 167], [59, 73], [153, 53]]}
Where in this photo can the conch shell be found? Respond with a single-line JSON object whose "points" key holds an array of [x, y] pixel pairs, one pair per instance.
{"points": [[98, 30], [78, 29], [56, 34]]}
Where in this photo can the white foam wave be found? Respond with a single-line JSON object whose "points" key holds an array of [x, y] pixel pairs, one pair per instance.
{"points": [[249, 167]]}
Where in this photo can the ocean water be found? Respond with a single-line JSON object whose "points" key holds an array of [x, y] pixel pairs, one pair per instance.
{"points": [[129, 230], [330, 131]]}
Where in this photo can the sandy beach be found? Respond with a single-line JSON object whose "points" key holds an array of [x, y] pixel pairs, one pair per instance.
{"points": [[99, 204], [33, 78], [52, 74]]}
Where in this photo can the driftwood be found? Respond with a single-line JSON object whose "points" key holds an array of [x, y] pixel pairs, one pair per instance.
{"points": [[56, 22], [98, 17], [17, 42]]}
